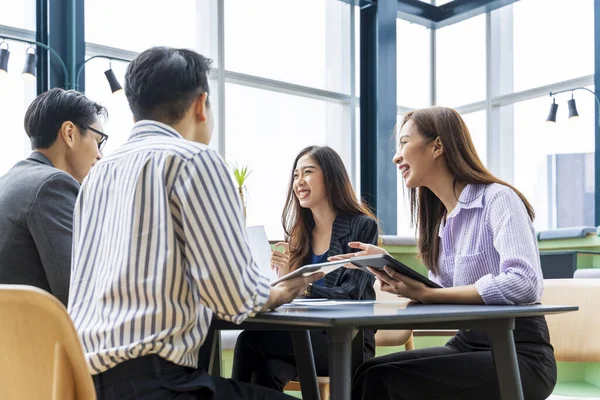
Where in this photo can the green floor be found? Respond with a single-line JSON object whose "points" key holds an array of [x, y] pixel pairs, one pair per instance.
{"points": [[579, 380]]}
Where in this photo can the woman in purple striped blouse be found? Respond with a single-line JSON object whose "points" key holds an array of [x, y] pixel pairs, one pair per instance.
{"points": [[476, 237]]}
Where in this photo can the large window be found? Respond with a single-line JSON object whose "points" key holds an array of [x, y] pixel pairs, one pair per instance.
{"points": [[553, 41], [136, 26], [413, 50], [17, 94], [461, 62], [305, 42]]}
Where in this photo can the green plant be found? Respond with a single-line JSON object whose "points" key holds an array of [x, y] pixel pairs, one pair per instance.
{"points": [[241, 176]]}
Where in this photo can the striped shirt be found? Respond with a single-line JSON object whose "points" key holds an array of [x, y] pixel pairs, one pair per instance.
{"points": [[159, 245], [489, 240]]}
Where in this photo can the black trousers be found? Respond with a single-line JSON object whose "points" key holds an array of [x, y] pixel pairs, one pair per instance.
{"points": [[463, 369], [153, 378], [266, 358]]}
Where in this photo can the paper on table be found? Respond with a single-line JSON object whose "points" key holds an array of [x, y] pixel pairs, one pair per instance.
{"points": [[261, 250]]}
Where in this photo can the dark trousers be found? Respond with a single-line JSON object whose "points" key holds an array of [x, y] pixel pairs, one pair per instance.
{"points": [[266, 358], [449, 373], [153, 378]]}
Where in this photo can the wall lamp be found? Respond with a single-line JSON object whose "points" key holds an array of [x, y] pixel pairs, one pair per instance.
{"points": [[29, 70], [571, 104], [30, 58], [115, 86]]}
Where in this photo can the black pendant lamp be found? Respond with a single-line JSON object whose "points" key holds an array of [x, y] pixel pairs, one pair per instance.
{"points": [[572, 108], [115, 86], [552, 113], [30, 61], [4, 55]]}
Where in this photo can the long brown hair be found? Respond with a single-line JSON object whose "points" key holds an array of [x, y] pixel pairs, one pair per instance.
{"points": [[464, 164], [298, 222]]}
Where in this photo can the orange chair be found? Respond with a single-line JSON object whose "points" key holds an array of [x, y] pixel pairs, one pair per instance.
{"points": [[40, 353]]}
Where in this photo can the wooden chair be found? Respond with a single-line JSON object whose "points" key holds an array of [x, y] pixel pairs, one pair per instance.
{"points": [[40, 353], [397, 337], [575, 335], [382, 338]]}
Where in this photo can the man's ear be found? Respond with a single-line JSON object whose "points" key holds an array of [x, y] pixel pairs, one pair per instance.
{"points": [[200, 106], [438, 147], [66, 133]]}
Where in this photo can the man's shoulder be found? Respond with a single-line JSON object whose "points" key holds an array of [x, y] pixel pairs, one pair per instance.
{"points": [[161, 147], [29, 182], [31, 174]]}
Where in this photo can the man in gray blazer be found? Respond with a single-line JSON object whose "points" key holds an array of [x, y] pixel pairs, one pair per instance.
{"points": [[37, 196]]}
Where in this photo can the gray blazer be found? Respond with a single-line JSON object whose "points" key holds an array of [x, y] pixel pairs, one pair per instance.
{"points": [[36, 225]]}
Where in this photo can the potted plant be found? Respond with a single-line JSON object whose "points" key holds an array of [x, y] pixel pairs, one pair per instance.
{"points": [[241, 175]]}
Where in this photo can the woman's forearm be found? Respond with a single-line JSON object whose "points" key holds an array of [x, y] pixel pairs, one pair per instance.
{"points": [[454, 295]]}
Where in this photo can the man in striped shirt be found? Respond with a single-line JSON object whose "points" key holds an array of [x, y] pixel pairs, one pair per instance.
{"points": [[159, 245]]}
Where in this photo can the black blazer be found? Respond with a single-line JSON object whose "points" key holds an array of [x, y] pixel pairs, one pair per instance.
{"points": [[350, 284]]}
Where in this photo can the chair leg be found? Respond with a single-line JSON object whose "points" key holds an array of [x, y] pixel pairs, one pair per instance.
{"points": [[324, 391], [410, 343]]}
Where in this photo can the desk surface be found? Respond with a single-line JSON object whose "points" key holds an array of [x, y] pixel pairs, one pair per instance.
{"points": [[381, 314]]}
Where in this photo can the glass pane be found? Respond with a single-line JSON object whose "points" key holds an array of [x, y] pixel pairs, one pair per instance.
{"points": [[461, 62], [132, 26], [265, 132], [17, 94], [306, 42], [538, 145], [553, 41], [19, 14], [476, 122], [413, 49]]}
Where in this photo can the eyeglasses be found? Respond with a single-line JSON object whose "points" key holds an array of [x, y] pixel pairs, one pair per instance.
{"points": [[103, 136]]}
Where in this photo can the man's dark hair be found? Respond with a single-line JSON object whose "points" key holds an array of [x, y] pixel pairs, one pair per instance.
{"points": [[51, 109], [162, 83]]}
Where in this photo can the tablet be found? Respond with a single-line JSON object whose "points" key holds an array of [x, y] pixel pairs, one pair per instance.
{"points": [[378, 261], [310, 269]]}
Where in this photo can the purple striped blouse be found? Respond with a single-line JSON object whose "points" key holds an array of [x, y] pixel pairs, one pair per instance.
{"points": [[489, 240]]}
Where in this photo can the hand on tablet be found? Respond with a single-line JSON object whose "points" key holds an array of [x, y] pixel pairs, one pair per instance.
{"points": [[288, 290], [280, 261], [365, 250], [402, 285]]}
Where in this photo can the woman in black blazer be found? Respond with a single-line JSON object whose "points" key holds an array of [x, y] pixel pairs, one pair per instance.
{"points": [[321, 216]]}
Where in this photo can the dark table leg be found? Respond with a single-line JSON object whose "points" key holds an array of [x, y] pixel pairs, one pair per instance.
{"points": [[358, 354], [305, 362], [340, 351], [505, 357], [214, 366]]}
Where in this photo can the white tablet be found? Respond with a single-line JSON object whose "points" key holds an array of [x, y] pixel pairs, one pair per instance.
{"points": [[310, 269]]}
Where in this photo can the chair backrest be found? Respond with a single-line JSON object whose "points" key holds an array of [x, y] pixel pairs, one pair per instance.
{"points": [[40, 353], [574, 335], [593, 273], [396, 337]]}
